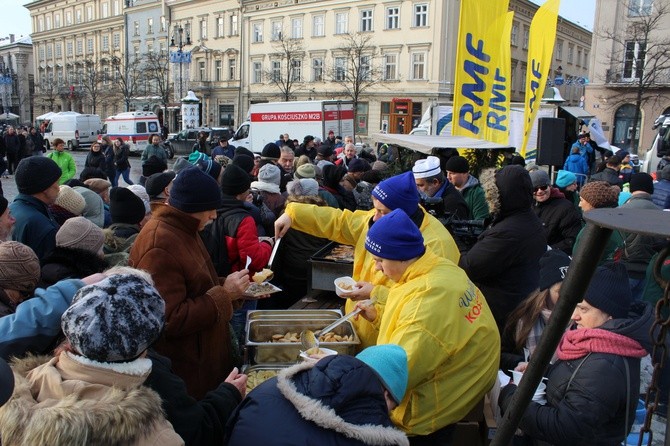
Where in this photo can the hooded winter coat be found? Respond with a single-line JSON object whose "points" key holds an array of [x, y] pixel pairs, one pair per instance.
{"points": [[350, 228], [338, 400], [576, 163], [475, 199], [504, 263], [71, 400], [591, 411], [197, 311], [69, 263], [560, 219]]}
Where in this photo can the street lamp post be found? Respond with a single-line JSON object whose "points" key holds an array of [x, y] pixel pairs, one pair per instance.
{"points": [[5, 87], [180, 57]]}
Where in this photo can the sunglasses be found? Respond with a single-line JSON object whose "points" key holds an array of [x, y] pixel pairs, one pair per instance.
{"points": [[535, 189]]}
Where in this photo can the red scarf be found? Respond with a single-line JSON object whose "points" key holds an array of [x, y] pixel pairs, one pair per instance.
{"points": [[576, 344]]}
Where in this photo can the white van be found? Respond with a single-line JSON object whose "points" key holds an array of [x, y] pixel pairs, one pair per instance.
{"points": [[133, 128], [73, 128]]}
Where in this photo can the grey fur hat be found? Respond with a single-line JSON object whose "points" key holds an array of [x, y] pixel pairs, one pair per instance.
{"points": [[114, 320]]}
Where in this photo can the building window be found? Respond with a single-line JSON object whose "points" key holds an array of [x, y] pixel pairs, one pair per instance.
{"points": [[571, 50], [150, 25], [136, 28], [59, 50], [219, 27], [233, 25], [586, 60], [317, 70], [218, 70], [89, 13], [150, 48], [276, 70], [526, 35], [69, 47], [203, 29], [232, 68], [115, 8], [105, 10], [340, 68], [421, 15], [559, 50], [257, 33], [514, 37], [77, 16], [365, 70], [276, 31], [418, 66], [296, 28], [163, 24], [202, 71], [317, 26], [57, 20], [105, 75], [89, 45], [49, 51], [40, 24], [41, 53], [341, 22], [116, 41], [296, 70], [393, 17], [136, 52], [257, 73], [390, 67], [633, 63], [579, 57], [105, 43], [366, 20], [637, 8], [522, 88], [80, 47], [68, 18], [48, 23]]}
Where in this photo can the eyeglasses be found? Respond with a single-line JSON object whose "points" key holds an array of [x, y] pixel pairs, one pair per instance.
{"points": [[543, 188]]}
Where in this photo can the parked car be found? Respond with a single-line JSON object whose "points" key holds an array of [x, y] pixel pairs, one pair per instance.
{"points": [[182, 143], [218, 133]]}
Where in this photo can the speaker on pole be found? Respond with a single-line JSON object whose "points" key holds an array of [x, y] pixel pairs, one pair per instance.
{"points": [[550, 136]]}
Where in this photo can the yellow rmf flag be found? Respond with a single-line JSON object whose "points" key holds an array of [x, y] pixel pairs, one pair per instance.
{"points": [[540, 50], [478, 60], [498, 116]]}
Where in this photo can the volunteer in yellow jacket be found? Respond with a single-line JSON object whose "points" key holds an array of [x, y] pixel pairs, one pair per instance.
{"points": [[444, 324], [350, 228]]}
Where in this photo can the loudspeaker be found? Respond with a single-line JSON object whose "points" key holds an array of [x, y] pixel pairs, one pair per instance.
{"points": [[550, 136]]}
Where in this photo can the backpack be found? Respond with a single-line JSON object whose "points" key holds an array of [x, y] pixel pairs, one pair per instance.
{"points": [[214, 238]]}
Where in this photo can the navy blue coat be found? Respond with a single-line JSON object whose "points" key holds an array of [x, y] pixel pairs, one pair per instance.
{"points": [[337, 401], [35, 226]]}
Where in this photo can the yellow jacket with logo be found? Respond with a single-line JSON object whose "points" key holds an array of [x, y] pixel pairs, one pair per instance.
{"points": [[350, 228], [453, 347]]}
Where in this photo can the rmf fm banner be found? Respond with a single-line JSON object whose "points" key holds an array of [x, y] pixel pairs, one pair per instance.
{"points": [[540, 50], [480, 71], [498, 117]]}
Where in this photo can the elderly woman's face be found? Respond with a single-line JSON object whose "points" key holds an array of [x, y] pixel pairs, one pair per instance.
{"points": [[588, 316]]}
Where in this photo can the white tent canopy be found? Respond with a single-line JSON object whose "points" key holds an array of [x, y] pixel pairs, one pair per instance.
{"points": [[45, 116], [426, 143]]}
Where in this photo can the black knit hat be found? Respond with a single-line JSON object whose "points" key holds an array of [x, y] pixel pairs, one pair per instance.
{"points": [[641, 182], [157, 182], [325, 150], [210, 167], [609, 290], [194, 191], [358, 165], [271, 151], [457, 164], [245, 162], [234, 180], [153, 165], [125, 206], [36, 174], [244, 151], [3, 205], [553, 268]]}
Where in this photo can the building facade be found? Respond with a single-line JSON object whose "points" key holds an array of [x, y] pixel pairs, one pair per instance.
{"points": [[620, 59], [16, 67]]}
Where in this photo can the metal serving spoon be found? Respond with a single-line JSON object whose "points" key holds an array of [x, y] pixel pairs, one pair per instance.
{"points": [[309, 339]]}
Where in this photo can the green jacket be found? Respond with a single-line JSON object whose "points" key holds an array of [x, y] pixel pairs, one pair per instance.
{"points": [[474, 196], [66, 164], [152, 150]]}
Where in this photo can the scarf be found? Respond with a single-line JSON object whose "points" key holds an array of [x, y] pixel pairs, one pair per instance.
{"points": [[576, 344]]}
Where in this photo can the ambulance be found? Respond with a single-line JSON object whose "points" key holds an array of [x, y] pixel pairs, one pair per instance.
{"points": [[133, 128]]}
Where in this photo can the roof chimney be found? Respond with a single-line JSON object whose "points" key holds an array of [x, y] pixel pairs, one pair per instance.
{"points": [[11, 38]]}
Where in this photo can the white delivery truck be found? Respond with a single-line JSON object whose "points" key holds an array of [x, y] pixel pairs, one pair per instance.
{"points": [[266, 121], [133, 128], [660, 147], [73, 128]]}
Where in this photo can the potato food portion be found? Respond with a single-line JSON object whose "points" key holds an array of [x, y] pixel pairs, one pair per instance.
{"points": [[256, 377], [345, 286], [262, 276], [326, 337]]}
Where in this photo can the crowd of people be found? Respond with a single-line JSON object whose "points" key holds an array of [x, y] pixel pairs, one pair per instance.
{"points": [[123, 308]]}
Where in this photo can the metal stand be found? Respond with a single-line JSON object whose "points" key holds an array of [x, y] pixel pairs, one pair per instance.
{"points": [[600, 223]]}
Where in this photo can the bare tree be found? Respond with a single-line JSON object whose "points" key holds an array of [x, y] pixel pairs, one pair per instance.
{"points": [[285, 71], [156, 67], [91, 77], [640, 61], [128, 78], [355, 67]]}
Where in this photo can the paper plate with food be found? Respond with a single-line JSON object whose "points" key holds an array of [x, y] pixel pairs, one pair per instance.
{"points": [[260, 287]]}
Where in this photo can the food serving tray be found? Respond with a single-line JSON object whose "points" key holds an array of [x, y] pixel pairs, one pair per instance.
{"points": [[324, 271]]}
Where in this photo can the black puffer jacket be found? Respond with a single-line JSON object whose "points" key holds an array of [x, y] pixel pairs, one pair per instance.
{"points": [[69, 263], [593, 410], [608, 174], [560, 219], [337, 401], [504, 263]]}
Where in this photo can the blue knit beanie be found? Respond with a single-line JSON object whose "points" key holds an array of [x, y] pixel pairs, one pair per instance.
{"points": [[389, 362], [194, 191], [609, 290], [395, 237], [565, 178], [398, 192]]}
